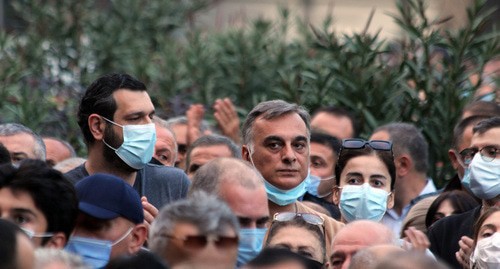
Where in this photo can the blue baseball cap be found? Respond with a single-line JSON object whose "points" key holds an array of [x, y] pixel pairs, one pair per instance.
{"points": [[105, 196]]}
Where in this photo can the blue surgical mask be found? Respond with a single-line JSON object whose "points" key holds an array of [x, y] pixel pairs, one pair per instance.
{"points": [[250, 244], [363, 202], [312, 187], [138, 144], [284, 197], [484, 177], [94, 252], [466, 179]]}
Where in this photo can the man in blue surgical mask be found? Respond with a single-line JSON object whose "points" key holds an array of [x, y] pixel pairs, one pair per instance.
{"points": [[115, 116], [242, 188], [450, 237], [110, 220], [276, 141]]}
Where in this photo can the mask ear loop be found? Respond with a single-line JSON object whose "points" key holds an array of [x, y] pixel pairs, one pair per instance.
{"points": [[123, 236]]}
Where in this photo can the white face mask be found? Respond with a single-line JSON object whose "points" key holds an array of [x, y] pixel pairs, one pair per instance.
{"points": [[486, 255], [484, 176]]}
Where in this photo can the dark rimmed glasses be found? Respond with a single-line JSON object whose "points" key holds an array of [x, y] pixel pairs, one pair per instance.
{"points": [[357, 143], [488, 154], [197, 242]]}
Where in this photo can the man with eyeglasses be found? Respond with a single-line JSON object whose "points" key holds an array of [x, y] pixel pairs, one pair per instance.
{"points": [[460, 154], [276, 142], [110, 220], [39, 200], [197, 232], [450, 237], [241, 186]]}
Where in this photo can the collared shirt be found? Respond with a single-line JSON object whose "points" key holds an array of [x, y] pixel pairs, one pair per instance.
{"points": [[394, 221]]}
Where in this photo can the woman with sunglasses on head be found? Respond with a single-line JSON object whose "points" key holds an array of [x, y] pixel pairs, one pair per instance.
{"points": [[365, 177], [302, 233]]}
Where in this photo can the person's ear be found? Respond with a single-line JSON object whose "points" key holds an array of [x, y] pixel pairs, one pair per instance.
{"points": [[245, 153], [390, 200], [57, 241], [97, 126], [453, 158], [336, 195], [139, 234], [404, 165]]}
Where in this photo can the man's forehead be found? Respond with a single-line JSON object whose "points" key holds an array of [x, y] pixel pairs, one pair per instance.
{"points": [[490, 137], [132, 101]]}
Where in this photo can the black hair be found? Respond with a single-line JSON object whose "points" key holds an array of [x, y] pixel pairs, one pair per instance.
{"points": [[8, 244], [486, 125], [4, 154], [98, 99], [458, 131], [51, 192], [460, 200], [327, 140], [347, 154]]}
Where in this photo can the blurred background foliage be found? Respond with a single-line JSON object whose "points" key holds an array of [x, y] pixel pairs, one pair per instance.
{"points": [[58, 47]]}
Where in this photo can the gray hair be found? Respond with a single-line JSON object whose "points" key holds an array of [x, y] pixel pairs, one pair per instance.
{"points": [[406, 138], [45, 257], [220, 171], [8, 129], [208, 213], [213, 140], [269, 110], [164, 124]]}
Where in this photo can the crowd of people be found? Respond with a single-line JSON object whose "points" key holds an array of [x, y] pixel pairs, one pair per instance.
{"points": [[286, 190]]}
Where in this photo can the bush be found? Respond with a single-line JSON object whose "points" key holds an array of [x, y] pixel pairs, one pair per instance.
{"points": [[64, 45]]}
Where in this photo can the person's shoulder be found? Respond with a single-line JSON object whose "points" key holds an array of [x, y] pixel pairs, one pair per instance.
{"points": [[172, 173], [76, 174]]}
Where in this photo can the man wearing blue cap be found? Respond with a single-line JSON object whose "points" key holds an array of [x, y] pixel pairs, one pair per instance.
{"points": [[110, 220]]}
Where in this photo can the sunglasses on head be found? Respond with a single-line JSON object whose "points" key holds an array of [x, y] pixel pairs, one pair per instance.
{"points": [[197, 242], [307, 217], [356, 143]]}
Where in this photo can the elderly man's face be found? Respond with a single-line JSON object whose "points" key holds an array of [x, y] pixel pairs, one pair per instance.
{"points": [[280, 150], [20, 146], [185, 251], [165, 148]]}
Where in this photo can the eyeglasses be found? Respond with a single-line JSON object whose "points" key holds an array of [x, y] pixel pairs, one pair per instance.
{"points": [[356, 143], [488, 154], [32, 234], [467, 154], [197, 242], [307, 217]]}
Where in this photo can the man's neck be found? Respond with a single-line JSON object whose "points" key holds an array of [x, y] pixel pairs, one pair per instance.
{"points": [[96, 163], [274, 208], [412, 186]]}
